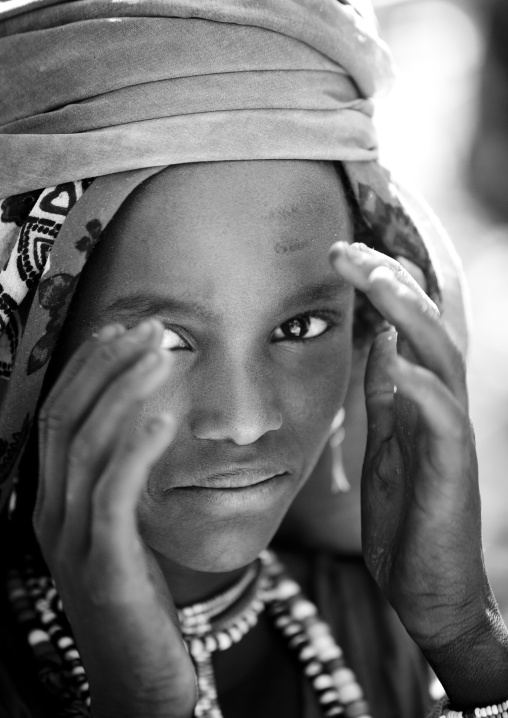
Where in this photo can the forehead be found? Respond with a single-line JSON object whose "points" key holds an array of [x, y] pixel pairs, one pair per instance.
{"points": [[208, 228]]}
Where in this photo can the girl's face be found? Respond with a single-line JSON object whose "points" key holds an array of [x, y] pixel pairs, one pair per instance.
{"points": [[232, 258]]}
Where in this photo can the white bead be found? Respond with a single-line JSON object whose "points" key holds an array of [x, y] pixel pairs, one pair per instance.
{"points": [[313, 669], [297, 641], [291, 630], [71, 654], [282, 621], [251, 618], [235, 634], [351, 692], [36, 636], [303, 609], [322, 642], [343, 676], [323, 681], [307, 653], [316, 630], [287, 589], [210, 644], [334, 711], [330, 654], [198, 650], [328, 697], [243, 626], [224, 641], [64, 642]]}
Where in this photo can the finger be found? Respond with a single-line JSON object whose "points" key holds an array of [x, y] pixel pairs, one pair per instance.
{"points": [[116, 494], [413, 270], [107, 333], [442, 415], [377, 486], [420, 328], [408, 308], [356, 262], [92, 446], [419, 277], [448, 444], [379, 388], [92, 367]]}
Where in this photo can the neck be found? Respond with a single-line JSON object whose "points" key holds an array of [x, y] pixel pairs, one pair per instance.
{"points": [[188, 586]]}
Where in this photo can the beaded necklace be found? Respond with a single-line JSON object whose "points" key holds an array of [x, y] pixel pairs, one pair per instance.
{"points": [[206, 627]]}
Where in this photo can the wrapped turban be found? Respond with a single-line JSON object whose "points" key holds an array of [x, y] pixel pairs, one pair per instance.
{"points": [[96, 96]]}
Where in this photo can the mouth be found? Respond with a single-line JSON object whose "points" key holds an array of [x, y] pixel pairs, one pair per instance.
{"points": [[237, 479]]}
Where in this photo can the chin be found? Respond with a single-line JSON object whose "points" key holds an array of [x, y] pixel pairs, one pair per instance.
{"points": [[222, 557], [213, 547], [216, 531]]}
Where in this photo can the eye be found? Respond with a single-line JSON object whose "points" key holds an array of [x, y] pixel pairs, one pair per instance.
{"points": [[306, 326], [171, 341]]}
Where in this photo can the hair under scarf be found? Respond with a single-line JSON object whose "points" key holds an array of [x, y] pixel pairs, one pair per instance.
{"points": [[116, 90]]}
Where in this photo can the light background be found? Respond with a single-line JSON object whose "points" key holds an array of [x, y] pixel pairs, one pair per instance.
{"points": [[426, 127]]}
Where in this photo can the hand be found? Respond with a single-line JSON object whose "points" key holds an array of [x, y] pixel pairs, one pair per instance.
{"points": [[421, 527], [93, 466]]}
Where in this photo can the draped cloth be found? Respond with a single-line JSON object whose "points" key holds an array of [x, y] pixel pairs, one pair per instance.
{"points": [[96, 96]]}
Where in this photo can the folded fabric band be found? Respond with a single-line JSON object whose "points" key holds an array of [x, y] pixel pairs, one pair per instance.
{"points": [[95, 87]]}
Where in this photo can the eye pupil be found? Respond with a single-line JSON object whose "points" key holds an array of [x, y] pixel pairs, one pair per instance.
{"points": [[296, 327]]}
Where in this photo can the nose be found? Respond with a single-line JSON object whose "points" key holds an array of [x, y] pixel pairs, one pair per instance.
{"points": [[237, 402]]}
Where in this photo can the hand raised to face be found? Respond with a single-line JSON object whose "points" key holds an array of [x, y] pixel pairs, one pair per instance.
{"points": [[421, 526], [94, 461]]}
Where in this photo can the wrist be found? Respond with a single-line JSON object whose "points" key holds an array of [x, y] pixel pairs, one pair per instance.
{"points": [[473, 668]]}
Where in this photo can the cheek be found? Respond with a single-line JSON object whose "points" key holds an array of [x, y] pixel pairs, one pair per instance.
{"points": [[313, 394]]}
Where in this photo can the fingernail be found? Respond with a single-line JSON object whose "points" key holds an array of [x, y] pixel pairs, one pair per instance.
{"points": [[148, 361], [109, 332], [383, 273], [143, 331], [356, 250]]}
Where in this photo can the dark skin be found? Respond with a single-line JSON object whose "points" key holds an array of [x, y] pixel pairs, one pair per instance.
{"points": [[137, 513]]}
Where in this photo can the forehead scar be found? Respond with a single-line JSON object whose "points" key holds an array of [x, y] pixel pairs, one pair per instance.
{"points": [[291, 245]]}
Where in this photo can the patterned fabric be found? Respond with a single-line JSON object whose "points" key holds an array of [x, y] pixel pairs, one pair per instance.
{"points": [[47, 254]]}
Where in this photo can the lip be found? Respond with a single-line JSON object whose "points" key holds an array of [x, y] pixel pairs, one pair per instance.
{"points": [[236, 479]]}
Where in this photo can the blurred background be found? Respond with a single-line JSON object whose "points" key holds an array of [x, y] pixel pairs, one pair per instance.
{"points": [[444, 131]]}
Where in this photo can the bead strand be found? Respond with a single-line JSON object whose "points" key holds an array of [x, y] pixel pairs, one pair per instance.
{"points": [[335, 685], [498, 709]]}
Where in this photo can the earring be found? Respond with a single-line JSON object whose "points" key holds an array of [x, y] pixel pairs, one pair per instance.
{"points": [[340, 484]]}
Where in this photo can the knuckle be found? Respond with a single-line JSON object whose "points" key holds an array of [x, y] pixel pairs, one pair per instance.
{"points": [[52, 417], [106, 511], [80, 451], [111, 353]]}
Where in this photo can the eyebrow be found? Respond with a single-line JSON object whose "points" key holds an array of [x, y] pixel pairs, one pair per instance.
{"points": [[147, 304]]}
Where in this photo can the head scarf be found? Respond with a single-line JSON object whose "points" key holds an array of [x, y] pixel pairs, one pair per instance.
{"points": [[96, 96]]}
